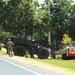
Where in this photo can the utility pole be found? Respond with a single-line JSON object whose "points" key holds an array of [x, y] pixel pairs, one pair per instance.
{"points": [[49, 34]]}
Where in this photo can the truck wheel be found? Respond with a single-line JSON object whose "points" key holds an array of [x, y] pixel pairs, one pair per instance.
{"points": [[64, 57], [43, 53], [19, 50]]}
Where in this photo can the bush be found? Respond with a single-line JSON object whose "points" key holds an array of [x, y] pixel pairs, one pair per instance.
{"points": [[66, 39], [3, 36]]}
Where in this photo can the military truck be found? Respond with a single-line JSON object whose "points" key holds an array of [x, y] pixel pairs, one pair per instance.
{"points": [[38, 47]]}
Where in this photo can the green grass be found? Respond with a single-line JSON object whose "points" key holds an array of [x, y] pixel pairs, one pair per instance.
{"points": [[67, 64], [2, 52]]}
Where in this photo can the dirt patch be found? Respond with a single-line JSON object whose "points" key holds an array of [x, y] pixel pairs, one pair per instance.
{"points": [[35, 63]]}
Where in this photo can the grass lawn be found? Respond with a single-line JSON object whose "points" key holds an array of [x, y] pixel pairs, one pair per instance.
{"points": [[2, 52], [66, 64]]}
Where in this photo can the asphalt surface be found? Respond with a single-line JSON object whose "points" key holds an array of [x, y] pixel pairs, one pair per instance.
{"points": [[11, 67]]}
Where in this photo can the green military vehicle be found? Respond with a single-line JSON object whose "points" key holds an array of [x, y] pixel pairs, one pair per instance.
{"points": [[38, 47]]}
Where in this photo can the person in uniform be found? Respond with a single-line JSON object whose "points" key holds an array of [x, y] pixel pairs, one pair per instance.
{"points": [[10, 46]]}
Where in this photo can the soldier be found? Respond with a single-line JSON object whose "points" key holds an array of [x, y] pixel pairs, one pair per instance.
{"points": [[10, 46]]}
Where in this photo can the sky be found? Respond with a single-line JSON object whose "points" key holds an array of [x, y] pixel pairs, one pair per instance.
{"points": [[41, 1], [73, 0]]}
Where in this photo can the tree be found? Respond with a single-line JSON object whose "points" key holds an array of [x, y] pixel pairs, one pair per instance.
{"points": [[18, 16], [3, 36], [72, 22], [59, 17], [2, 11], [41, 22]]}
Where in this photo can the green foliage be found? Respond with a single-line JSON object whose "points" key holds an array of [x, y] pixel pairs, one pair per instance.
{"points": [[72, 22], [41, 21], [18, 16], [59, 13], [3, 36], [29, 15]]}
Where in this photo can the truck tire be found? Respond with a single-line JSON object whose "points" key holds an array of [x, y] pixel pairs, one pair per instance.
{"points": [[64, 57], [19, 50], [43, 53]]}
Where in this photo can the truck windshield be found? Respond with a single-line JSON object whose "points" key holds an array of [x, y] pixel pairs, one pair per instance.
{"points": [[29, 37]]}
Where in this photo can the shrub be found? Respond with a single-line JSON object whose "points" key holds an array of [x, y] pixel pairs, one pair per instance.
{"points": [[3, 36], [66, 39]]}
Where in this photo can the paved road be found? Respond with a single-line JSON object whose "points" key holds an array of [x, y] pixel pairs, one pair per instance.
{"points": [[10, 67]]}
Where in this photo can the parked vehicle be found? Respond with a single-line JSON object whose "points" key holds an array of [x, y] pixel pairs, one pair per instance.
{"points": [[69, 52], [38, 47]]}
